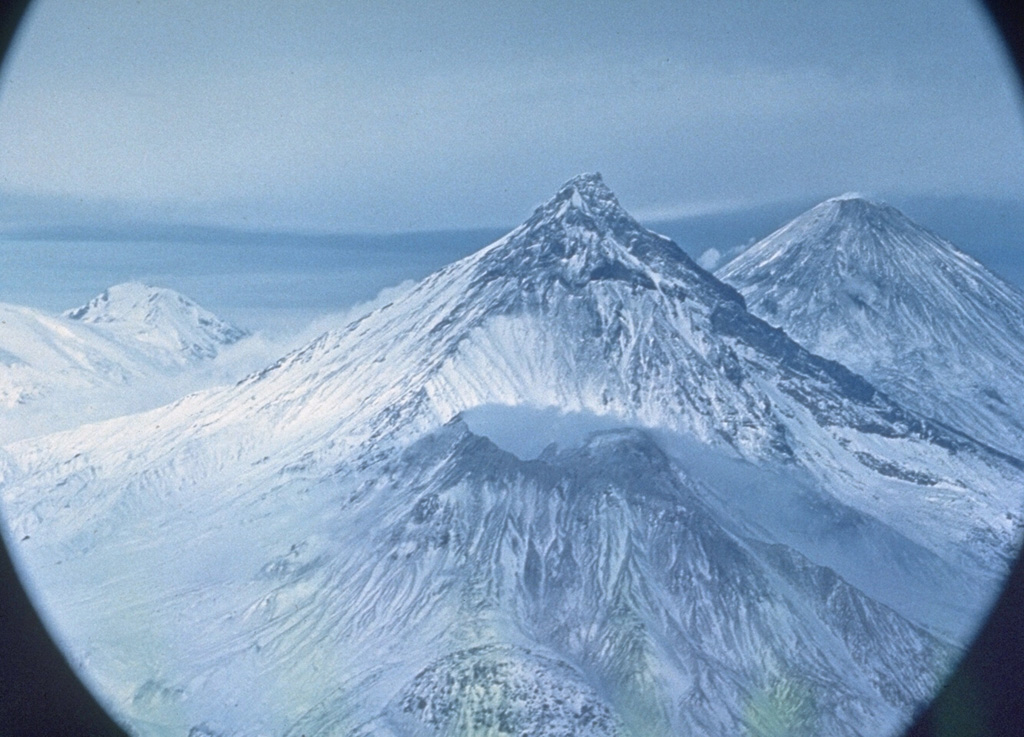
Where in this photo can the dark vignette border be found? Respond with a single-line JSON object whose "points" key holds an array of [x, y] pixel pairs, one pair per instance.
{"points": [[40, 696]]}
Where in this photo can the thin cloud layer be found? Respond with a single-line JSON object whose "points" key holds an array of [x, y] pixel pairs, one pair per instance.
{"points": [[362, 117]]}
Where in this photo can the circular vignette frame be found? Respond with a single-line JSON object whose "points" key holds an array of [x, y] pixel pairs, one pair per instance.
{"points": [[40, 695]]}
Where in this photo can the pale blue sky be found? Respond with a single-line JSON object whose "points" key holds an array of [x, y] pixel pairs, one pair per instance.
{"points": [[391, 116]]}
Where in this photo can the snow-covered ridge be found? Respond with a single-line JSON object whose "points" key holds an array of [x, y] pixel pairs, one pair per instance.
{"points": [[583, 310], [859, 282]]}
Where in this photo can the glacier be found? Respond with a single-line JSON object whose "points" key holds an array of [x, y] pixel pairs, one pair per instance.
{"points": [[566, 485]]}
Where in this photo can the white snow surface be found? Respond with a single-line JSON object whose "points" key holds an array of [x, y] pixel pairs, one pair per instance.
{"points": [[329, 547], [857, 281], [171, 325], [132, 347]]}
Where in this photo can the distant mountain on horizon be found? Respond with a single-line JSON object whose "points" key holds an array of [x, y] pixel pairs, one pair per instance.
{"points": [[123, 351], [990, 230]]}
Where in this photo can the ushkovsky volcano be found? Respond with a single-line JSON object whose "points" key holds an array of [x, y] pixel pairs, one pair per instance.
{"points": [[130, 348], [332, 546], [859, 282]]}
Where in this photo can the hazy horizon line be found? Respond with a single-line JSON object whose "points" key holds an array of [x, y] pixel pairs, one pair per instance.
{"points": [[100, 226]]}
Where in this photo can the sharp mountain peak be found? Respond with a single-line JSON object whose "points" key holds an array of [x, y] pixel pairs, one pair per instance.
{"points": [[842, 235], [584, 233], [856, 198], [585, 202], [860, 283], [586, 192]]}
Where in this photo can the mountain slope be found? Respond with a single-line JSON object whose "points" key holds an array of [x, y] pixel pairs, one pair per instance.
{"points": [[58, 371], [858, 282], [590, 591], [328, 548]]}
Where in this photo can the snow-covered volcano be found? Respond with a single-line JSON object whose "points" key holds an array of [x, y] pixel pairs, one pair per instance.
{"points": [[333, 546], [170, 325], [129, 348], [858, 282]]}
